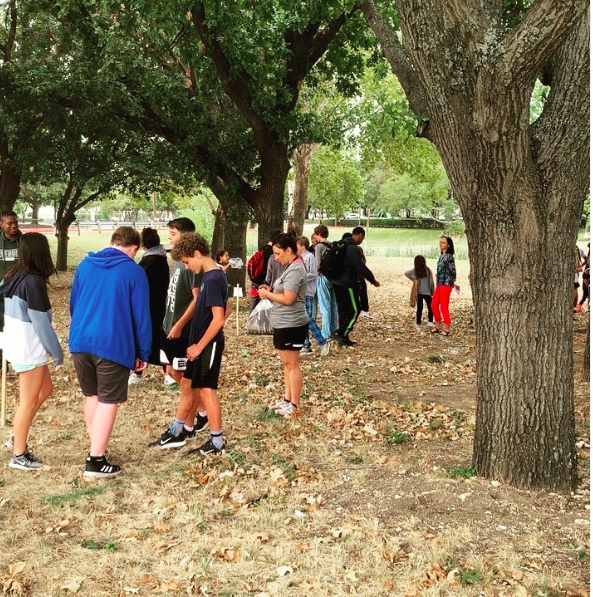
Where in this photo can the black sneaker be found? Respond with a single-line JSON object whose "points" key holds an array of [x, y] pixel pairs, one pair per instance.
{"points": [[341, 340], [201, 422], [208, 448], [189, 434], [169, 440], [100, 467]]}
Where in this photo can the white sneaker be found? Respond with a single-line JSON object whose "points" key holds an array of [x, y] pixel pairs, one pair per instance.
{"points": [[134, 379], [430, 324], [365, 315], [9, 443], [418, 327], [168, 380], [280, 404], [324, 349], [288, 410], [306, 350]]}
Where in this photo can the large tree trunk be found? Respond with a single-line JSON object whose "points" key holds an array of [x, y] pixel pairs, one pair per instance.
{"points": [[587, 358], [235, 235], [10, 185], [520, 187], [218, 234], [300, 201], [269, 198]]}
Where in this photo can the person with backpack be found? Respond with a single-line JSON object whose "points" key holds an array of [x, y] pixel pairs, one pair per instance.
{"points": [[326, 297], [342, 264], [257, 268]]}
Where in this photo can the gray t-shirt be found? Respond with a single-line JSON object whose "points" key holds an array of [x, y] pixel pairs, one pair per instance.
{"points": [[293, 278]]}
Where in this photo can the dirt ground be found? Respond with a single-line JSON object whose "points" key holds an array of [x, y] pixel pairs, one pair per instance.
{"points": [[368, 492]]}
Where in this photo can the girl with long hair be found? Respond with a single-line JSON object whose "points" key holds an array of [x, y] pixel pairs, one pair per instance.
{"points": [[422, 274], [27, 322], [446, 276]]}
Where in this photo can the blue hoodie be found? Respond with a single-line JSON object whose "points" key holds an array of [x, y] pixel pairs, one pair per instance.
{"points": [[109, 308]]}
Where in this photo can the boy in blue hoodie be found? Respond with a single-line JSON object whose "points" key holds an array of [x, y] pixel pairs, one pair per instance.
{"points": [[110, 334]]}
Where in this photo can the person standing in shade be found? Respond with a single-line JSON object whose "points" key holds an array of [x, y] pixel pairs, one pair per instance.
{"points": [[205, 344], [154, 263], [10, 237], [311, 269], [446, 276], [347, 289], [32, 337], [421, 273], [358, 235], [326, 297], [289, 319], [110, 334]]}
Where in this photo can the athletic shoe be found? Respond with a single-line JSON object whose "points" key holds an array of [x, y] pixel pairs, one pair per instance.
{"points": [[9, 443], [169, 381], [201, 422], [134, 379], [324, 349], [430, 324], [287, 410], [306, 350], [339, 339], [100, 467], [348, 342], [417, 327], [170, 440], [25, 462], [365, 315], [208, 448], [280, 404]]}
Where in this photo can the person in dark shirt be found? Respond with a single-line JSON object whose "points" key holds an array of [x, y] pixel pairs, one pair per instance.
{"points": [[205, 345], [346, 288]]}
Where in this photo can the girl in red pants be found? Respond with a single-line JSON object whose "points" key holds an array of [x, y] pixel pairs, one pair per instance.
{"points": [[446, 276]]}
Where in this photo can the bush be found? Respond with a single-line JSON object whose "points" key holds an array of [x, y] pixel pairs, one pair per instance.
{"points": [[455, 228]]}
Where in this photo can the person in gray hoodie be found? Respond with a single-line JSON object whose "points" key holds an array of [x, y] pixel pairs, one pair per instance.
{"points": [[10, 237]]}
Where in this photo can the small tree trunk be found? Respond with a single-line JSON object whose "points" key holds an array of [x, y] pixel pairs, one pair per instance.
{"points": [[303, 156], [35, 212], [62, 225]]}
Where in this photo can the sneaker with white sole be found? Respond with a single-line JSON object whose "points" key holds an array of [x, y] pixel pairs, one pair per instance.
{"points": [[25, 462], [287, 410], [417, 327], [9, 443], [99, 467], [306, 350], [208, 448], [280, 404], [201, 422], [170, 440], [134, 379], [365, 315], [169, 381], [324, 349]]}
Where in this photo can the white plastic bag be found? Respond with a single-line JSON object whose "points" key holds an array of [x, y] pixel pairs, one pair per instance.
{"points": [[258, 321]]}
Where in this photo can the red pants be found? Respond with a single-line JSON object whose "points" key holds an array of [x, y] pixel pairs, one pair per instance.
{"points": [[440, 304]]}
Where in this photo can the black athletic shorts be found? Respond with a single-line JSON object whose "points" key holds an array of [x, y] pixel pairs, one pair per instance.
{"points": [[102, 378], [173, 352], [290, 338], [204, 371]]}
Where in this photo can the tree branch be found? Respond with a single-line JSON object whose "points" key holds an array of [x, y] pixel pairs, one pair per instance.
{"points": [[394, 52], [539, 35], [7, 47]]}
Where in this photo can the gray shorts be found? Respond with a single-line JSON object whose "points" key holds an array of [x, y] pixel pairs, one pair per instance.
{"points": [[102, 378]]}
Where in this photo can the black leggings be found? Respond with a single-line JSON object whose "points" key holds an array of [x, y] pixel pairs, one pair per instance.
{"points": [[428, 299]]}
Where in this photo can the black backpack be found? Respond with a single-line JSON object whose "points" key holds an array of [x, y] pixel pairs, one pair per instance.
{"points": [[333, 261]]}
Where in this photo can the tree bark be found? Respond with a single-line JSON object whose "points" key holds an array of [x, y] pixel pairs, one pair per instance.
{"points": [[520, 188], [218, 234], [587, 358], [300, 203], [235, 237], [10, 184], [62, 225]]}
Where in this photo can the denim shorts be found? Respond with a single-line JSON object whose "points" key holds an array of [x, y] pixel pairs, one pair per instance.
{"points": [[22, 368]]}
